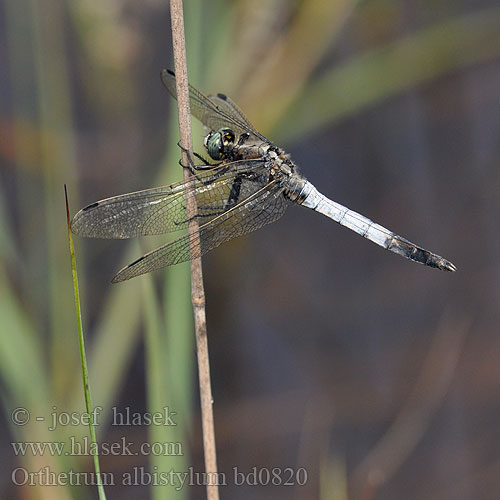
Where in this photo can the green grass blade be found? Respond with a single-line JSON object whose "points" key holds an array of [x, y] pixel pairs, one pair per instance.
{"points": [[83, 359], [385, 71]]}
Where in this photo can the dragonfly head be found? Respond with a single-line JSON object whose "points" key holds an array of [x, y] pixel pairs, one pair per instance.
{"points": [[220, 143]]}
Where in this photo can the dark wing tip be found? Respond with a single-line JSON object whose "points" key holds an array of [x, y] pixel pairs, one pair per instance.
{"points": [[166, 76], [122, 274], [89, 207], [165, 72], [78, 222]]}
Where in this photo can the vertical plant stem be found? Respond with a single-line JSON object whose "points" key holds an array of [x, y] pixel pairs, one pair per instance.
{"points": [[83, 359], [197, 291]]}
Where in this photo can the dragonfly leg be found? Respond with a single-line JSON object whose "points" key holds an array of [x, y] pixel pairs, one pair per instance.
{"points": [[190, 168], [193, 168], [192, 165], [206, 163]]}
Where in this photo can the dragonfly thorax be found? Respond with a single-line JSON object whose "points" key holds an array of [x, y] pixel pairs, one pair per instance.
{"points": [[219, 144]]}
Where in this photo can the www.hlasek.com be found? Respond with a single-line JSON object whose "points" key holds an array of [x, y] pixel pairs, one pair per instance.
{"points": [[85, 447], [139, 476]]}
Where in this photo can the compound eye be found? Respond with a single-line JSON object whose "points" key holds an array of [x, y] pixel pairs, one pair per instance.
{"points": [[220, 143], [213, 143]]}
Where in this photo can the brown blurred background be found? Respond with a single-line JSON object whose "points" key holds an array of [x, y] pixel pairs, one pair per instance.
{"points": [[378, 376]]}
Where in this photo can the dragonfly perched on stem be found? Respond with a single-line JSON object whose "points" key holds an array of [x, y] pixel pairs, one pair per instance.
{"points": [[251, 185]]}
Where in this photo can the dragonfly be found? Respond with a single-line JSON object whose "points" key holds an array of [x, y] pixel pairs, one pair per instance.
{"points": [[247, 183]]}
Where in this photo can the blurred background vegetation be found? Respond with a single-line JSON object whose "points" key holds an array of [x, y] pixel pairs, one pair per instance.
{"points": [[380, 377]]}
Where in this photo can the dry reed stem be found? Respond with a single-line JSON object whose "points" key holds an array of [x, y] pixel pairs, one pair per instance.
{"points": [[197, 291]]}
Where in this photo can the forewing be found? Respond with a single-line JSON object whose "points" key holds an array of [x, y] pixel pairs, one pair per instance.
{"points": [[229, 107], [160, 210], [264, 206], [214, 112]]}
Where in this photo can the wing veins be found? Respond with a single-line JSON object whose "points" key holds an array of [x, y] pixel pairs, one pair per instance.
{"points": [[134, 214], [147, 262], [204, 102]]}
